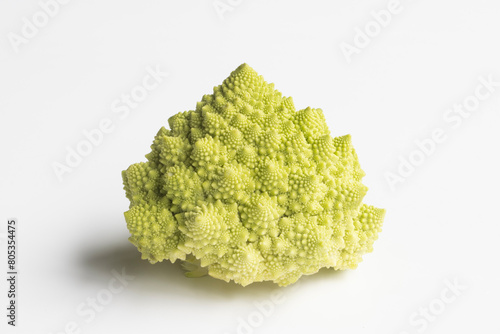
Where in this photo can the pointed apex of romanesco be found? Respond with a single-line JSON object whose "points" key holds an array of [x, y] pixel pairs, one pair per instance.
{"points": [[247, 188], [244, 68], [246, 74]]}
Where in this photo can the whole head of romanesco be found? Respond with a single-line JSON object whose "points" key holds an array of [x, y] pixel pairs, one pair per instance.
{"points": [[250, 189]]}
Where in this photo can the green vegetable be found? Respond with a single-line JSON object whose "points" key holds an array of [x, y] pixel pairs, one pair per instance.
{"points": [[248, 189]]}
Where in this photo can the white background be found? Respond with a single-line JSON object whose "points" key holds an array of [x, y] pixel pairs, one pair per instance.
{"points": [[442, 222]]}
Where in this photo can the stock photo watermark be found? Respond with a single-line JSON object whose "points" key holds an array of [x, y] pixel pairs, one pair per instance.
{"points": [[363, 36], [121, 107], [88, 310], [31, 26], [12, 271], [453, 118], [222, 7], [421, 319], [262, 310]]}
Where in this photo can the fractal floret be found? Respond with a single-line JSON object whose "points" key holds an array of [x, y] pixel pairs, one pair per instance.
{"points": [[247, 188]]}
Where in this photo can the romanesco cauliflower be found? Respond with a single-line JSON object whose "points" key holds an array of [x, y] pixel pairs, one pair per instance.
{"points": [[250, 189]]}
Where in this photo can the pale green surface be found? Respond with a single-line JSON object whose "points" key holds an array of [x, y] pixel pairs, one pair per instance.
{"points": [[252, 188]]}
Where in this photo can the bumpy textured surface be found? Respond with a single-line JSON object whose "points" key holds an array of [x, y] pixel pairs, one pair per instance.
{"points": [[250, 189]]}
